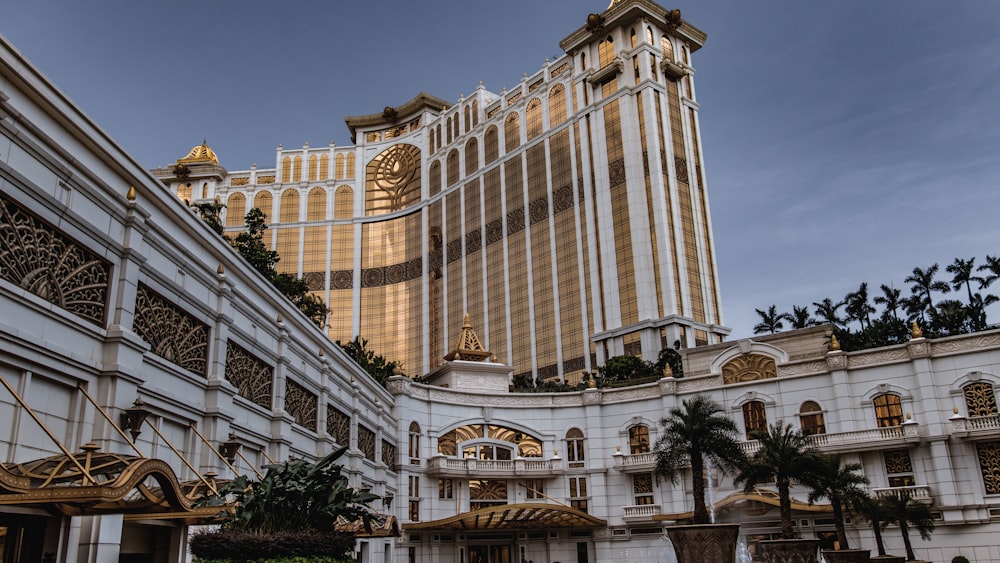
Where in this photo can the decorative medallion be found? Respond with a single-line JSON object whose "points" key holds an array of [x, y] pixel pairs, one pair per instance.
{"points": [[251, 377], [172, 333], [748, 367], [301, 404]]}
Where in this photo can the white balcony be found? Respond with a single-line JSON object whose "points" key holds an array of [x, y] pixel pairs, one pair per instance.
{"points": [[848, 441], [976, 426], [472, 467], [634, 463], [641, 512], [919, 493]]}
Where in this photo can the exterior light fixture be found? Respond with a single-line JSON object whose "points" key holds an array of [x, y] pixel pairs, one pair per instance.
{"points": [[133, 417], [230, 448]]}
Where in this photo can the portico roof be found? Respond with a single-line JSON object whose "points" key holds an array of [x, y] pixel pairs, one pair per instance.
{"points": [[513, 517]]}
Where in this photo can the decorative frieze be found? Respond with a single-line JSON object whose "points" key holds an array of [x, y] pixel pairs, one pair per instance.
{"points": [[171, 332], [366, 442], [338, 425], [252, 378], [301, 404]]}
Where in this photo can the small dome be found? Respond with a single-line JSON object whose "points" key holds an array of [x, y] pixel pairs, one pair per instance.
{"points": [[200, 153]]}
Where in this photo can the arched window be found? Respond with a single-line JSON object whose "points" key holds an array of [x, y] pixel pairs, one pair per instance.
{"points": [[438, 134], [512, 132], [204, 191], [316, 206], [313, 167], [289, 211], [754, 418], [468, 118], [638, 439], [448, 131], [533, 116], [633, 38], [667, 47], [557, 105], [350, 165], [811, 419], [455, 126], [263, 201], [575, 454], [286, 169], [434, 182], [491, 144], [343, 203], [324, 167], [583, 61], [339, 166], [452, 167], [297, 169], [430, 141], [236, 210], [471, 156], [980, 399], [888, 410], [606, 52], [414, 444], [475, 112], [649, 35], [184, 192]]}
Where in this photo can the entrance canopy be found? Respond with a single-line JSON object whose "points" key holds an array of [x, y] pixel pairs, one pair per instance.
{"points": [[513, 517], [762, 496]]}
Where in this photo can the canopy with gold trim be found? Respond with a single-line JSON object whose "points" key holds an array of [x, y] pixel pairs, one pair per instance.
{"points": [[763, 496], [513, 517]]}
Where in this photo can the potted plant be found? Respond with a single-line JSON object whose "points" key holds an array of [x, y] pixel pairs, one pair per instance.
{"points": [[839, 484], [905, 511], [784, 454], [290, 513], [876, 513], [691, 434]]}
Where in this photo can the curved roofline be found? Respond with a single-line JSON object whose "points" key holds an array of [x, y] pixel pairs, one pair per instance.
{"points": [[397, 114]]}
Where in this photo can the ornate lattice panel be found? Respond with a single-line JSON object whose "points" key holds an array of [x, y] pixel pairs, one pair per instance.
{"points": [[172, 333], [39, 258], [897, 461], [989, 464], [366, 442], [301, 404], [749, 367], [388, 453], [338, 425], [642, 483], [252, 378], [980, 399]]}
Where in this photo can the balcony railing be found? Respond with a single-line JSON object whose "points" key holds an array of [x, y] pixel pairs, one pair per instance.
{"points": [[630, 463], [976, 426], [443, 465], [919, 493], [641, 512]]}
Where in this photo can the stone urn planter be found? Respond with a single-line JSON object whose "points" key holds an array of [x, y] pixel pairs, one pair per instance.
{"points": [[847, 555], [705, 542], [888, 559], [789, 551]]}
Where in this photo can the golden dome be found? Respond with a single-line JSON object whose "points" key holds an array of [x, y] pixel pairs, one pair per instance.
{"points": [[200, 153]]}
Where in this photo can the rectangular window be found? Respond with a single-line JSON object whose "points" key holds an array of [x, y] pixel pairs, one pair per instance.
{"points": [[445, 488], [414, 493], [535, 489], [578, 493], [899, 468], [642, 488]]}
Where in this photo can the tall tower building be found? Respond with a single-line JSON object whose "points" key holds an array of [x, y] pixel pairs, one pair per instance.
{"points": [[568, 216]]}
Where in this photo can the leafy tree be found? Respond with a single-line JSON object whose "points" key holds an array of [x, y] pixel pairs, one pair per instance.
{"points": [[961, 271], [800, 317], [876, 513], [826, 311], [770, 321], [891, 299], [376, 365], [697, 431], [250, 245], [840, 485], [950, 317], [784, 454], [626, 367], [881, 332], [211, 213], [992, 266], [923, 286], [857, 306], [670, 357], [906, 512]]}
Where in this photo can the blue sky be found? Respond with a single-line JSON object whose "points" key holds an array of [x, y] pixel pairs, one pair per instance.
{"points": [[844, 141]]}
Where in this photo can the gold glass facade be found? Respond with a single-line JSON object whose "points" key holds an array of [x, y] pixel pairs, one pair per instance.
{"points": [[568, 217]]}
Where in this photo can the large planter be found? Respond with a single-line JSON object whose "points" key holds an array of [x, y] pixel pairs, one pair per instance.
{"points": [[705, 542], [789, 551], [847, 555], [888, 559]]}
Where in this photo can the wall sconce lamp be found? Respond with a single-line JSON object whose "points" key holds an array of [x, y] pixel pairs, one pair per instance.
{"points": [[133, 417], [230, 448]]}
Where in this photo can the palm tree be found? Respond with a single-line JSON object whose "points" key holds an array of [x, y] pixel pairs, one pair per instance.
{"points": [[905, 511], [770, 321], [857, 306], [992, 266], [698, 431], [840, 485], [800, 317], [891, 299], [961, 271], [784, 454], [876, 512], [923, 284], [826, 310]]}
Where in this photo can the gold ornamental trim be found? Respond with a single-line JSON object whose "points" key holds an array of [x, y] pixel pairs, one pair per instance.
{"points": [[513, 517]]}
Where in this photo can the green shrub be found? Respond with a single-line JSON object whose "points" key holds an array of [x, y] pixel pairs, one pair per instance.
{"points": [[959, 559], [309, 546]]}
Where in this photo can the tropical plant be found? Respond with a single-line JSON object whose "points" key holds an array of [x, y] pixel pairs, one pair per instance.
{"points": [[784, 454], [875, 511], [840, 485], [992, 266], [891, 299], [881, 332], [857, 306], [211, 213], [376, 365], [826, 311], [800, 317], [697, 431], [671, 357], [923, 286], [906, 512], [961, 271], [625, 368], [770, 321]]}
